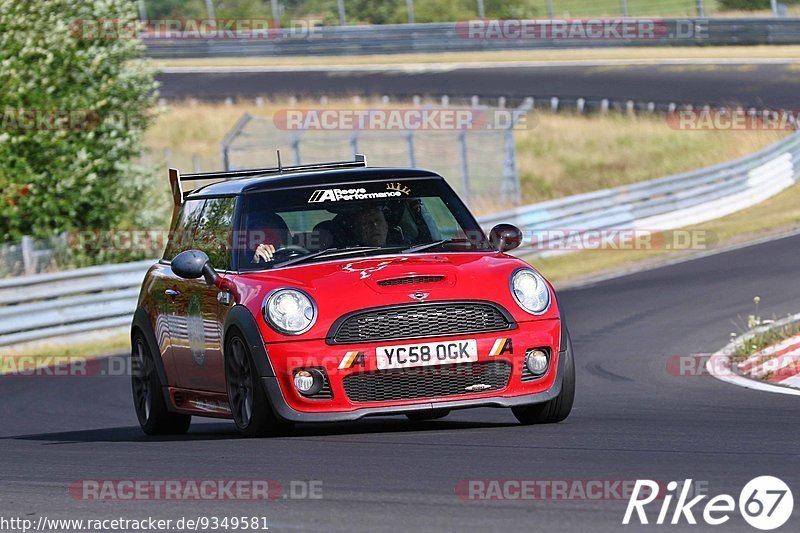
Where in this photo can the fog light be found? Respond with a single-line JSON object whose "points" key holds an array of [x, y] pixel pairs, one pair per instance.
{"points": [[537, 361], [308, 382]]}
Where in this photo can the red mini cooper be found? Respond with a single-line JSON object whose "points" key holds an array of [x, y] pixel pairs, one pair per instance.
{"points": [[333, 292]]}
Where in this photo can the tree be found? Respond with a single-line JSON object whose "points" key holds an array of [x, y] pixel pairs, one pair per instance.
{"points": [[73, 110]]}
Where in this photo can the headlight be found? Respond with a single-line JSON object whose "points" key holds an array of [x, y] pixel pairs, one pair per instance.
{"points": [[289, 311], [530, 291]]}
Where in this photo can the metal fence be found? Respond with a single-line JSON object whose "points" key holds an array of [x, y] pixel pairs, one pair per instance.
{"points": [[479, 162], [50, 305], [454, 37], [30, 256]]}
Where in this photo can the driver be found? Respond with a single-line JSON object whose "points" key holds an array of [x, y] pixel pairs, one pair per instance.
{"points": [[272, 230], [369, 226]]}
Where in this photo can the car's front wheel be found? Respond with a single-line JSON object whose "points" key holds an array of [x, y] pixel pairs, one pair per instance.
{"points": [[559, 407], [148, 398], [248, 403]]}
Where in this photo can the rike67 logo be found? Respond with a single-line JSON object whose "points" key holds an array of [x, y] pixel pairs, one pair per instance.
{"points": [[765, 503]]}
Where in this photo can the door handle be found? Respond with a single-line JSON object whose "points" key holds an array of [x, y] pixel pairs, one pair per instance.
{"points": [[172, 292], [224, 298]]}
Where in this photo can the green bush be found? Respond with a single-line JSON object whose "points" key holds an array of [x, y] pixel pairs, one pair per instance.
{"points": [[357, 11], [72, 173]]}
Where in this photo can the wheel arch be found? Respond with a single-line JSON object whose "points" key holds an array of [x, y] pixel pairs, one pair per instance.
{"points": [[141, 322], [240, 318]]}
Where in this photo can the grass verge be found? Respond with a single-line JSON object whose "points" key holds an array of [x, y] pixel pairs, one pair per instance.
{"points": [[27, 356], [557, 154], [779, 214], [789, 52], [764, 339]]}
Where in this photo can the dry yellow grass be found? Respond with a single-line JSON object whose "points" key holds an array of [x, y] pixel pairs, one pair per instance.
{"points": [[778, 214], [570, 154], [558, 154], [64, 351], [593, 54]]}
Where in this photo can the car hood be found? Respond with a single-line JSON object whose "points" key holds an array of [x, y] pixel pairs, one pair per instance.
{"points": [[343, 286]]}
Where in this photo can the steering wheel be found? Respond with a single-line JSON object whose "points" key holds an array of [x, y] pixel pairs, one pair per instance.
{"points": [[292, 249]]}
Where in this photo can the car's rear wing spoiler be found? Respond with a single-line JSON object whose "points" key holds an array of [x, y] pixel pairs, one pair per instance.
{"points": [[176, 179]]}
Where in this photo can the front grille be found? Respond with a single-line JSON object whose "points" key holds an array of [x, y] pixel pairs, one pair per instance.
{"points": [[427, 382], [420, 321], [409, 280]]}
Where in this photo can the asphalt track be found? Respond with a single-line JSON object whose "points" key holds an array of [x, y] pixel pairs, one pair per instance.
{"points": [[759, 85], [632, 419]]}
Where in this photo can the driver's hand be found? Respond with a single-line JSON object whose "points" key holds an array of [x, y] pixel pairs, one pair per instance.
{"points": [[264, 252]]}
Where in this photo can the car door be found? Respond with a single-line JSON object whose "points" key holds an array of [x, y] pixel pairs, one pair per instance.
{"points": [[171, 307], [196, 343]]}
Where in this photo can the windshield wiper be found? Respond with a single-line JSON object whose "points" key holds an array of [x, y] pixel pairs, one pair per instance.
{"points": [[434, 244], [327, 252]]}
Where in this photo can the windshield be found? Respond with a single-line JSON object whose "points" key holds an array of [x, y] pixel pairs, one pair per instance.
{"points": [[313, 224]]}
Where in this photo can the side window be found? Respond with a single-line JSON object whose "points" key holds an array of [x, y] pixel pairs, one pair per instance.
{"points": [[213, 233], [181, 237]]}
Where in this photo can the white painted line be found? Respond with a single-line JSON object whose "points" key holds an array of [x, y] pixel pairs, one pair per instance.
{"points": [[793, 381], [718, 365]]}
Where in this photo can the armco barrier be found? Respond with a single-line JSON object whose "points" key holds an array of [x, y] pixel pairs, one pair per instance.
{"points": [[73, 301], [452, 37], [50, 305], [669, 202]]}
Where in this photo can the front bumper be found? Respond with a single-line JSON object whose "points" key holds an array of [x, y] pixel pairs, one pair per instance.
{"points": [[291, 406]]}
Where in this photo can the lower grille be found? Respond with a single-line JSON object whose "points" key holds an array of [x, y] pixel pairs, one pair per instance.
{"points": [[427, 382]]}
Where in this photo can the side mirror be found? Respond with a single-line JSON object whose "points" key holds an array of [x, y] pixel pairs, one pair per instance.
{"points": [[505, 237], [192, 264]]}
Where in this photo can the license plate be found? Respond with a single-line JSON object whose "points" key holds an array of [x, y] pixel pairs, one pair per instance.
{"points": [[432, 353]]}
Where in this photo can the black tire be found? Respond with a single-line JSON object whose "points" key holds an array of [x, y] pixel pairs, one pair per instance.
{"points": [[148, 398], [433, 414], [250, 408], [558, 408]]}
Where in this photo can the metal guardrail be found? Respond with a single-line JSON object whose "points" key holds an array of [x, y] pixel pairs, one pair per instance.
{"points": [[665, 203], [82, 300], [452, 37], [73, 301]]}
